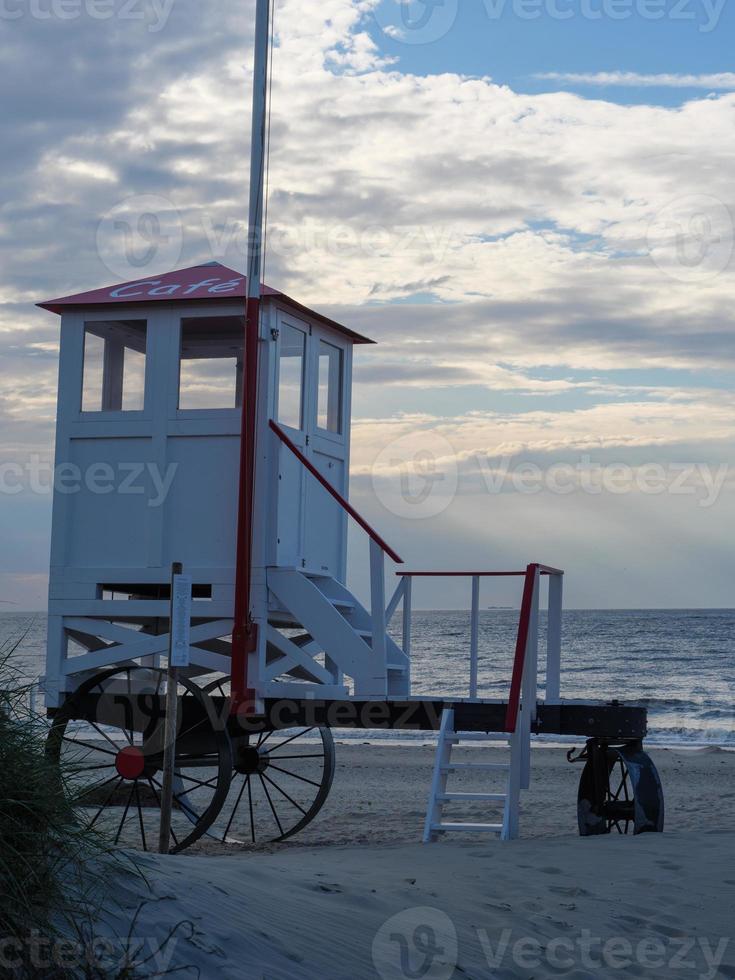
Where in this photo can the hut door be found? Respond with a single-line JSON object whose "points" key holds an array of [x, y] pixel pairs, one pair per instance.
{"points": [[325, 528], [292, 411], [312, 410]]}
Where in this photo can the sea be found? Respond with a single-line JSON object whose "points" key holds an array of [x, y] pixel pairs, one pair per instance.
{"points": [[679, 663]]}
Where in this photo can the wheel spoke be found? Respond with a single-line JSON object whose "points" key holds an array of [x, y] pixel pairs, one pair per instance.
{"points": [[237, 804], [252, 817], [296, 776], [125, 814], [82, 768], [177, 796], [270, 801], [318, 755], [107, 800], [198, 782], [97, 786], [291, 739], [284, 793], [140, 816], [92, 748], [105, 736]]}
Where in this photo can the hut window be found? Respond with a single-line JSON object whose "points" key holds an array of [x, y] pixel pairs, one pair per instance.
{"points": [[210, 366], [114, 366], [329, 416], [291, 376]]}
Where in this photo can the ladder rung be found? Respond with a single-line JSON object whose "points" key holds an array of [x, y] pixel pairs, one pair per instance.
{"points": [[477, 766], [473, 797], [476, 828], [476, 737]]}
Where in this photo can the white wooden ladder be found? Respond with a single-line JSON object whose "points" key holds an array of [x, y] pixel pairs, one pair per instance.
{"points": [[515, 779]]}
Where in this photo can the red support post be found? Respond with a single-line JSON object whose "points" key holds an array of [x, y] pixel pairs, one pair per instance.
{"points": [[245, 632], [524, 625]]}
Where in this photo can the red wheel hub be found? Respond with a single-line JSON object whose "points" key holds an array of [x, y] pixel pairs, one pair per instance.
{"points": [[130, 762]]}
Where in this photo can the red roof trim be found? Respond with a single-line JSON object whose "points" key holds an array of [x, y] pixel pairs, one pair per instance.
{"points": [[209, 282]]}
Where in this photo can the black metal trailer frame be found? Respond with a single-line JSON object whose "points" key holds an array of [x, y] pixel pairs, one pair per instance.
{"points": [[619, 787]]}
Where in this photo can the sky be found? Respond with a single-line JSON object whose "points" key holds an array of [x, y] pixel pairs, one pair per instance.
{"points": [[528, 203]]}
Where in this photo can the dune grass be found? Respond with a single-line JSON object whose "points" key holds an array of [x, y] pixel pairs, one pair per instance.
{"points": [[55, 875], [42, 847]]}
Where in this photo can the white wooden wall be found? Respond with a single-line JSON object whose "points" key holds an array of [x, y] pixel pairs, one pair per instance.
{"points": [[116, 537]]}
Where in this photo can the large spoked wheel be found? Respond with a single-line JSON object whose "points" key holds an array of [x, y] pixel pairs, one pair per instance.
{"points": [[619, 791], [108, 740], [280, 781]]}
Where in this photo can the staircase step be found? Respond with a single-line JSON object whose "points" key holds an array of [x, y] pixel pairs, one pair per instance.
{"points": [[477, 766], [471, 828], [477, 737], [341, 603], [473, 797]]}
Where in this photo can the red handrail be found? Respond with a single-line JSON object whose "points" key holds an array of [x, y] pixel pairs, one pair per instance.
{"points": [[344, 504], [519, 663], [544, 569]]}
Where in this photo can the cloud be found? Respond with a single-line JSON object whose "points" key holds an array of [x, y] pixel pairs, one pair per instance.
{"points": [[722, 81], [511, 252]]}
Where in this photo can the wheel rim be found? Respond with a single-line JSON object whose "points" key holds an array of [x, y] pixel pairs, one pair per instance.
{"points": [[280, 781], [619, 792], [109, 739]]}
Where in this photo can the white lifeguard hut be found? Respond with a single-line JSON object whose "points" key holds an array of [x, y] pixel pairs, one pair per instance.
{"points": [[152, 387], [204, 419]]}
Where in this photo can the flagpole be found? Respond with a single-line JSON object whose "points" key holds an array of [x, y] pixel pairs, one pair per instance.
{"points": [[245, 636]]}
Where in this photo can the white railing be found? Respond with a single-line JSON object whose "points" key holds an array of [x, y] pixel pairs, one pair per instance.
{"points": [[526, 660]]}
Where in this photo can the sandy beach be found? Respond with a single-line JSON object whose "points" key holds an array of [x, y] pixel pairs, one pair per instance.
{"points": [[358, 896], [380, 792]]}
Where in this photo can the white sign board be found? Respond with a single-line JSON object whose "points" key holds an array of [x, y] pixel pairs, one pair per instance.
{"points": [[180, 621]]}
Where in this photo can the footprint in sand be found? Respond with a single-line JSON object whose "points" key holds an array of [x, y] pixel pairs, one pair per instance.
{"points": [[568, 892]]}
